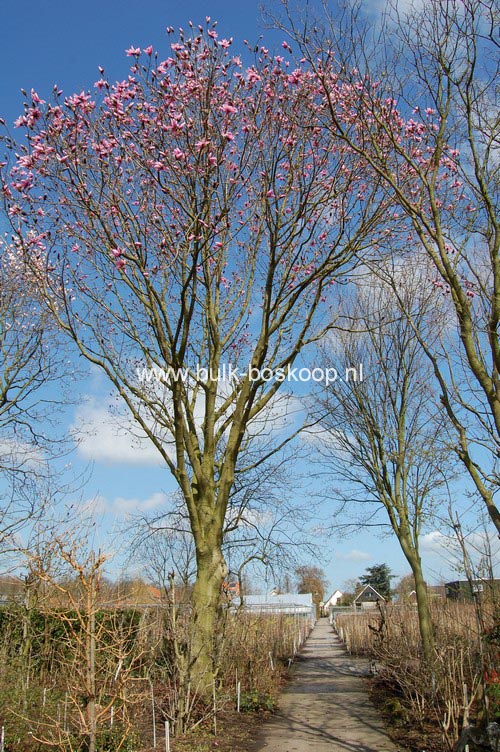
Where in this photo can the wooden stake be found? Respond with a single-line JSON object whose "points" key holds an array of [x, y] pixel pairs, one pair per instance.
{"points": [[154, 714], [215, 711]]}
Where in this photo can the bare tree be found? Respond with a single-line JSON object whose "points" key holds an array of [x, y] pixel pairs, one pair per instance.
{"points": [[421, 94], [266, 530], [384, 432], [194, 217], [31, 365], [100, 650], [311, 579]]}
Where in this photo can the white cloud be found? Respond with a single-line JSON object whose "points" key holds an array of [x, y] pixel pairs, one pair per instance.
{"points": [[434, 543], [121, 506], [252, 518], [110, 439], [21, 455], [480, 546], [404, 7], [353, 555]]}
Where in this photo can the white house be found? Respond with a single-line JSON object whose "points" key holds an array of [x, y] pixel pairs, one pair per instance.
{"points": [[331, 601]]}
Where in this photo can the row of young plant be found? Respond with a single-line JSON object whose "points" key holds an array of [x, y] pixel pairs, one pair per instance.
{"points": [[457, 687], [90, 678]]}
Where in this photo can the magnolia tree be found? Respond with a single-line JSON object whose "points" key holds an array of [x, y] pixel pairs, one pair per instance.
{"points": [[192, 219], [425, 118]]}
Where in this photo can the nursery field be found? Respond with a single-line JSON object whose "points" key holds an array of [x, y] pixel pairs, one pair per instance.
{"points": [[431, 703], [124, 671]]}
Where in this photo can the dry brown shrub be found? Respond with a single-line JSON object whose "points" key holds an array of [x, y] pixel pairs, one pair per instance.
{"points": [[257, 650], [449, 690]]}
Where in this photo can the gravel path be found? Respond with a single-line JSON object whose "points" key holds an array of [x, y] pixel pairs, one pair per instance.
{"points": [[326, 707]]}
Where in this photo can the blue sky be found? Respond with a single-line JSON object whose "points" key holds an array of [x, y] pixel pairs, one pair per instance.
{"points": [[63, 43]]}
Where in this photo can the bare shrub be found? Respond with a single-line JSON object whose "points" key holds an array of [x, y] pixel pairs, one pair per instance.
{"points": [[258, 649], [449, 690]]}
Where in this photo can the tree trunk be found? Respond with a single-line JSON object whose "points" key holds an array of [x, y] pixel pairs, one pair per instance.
{"points": [[206, 598], [424, 613], [425, 625]]}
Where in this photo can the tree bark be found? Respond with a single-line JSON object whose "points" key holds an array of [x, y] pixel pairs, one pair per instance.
{"points": [[206, 599], [425, 624]]}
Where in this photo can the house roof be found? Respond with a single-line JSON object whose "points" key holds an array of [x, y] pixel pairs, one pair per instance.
{"points": [[368, 595], [335, 592], [466, 583]]}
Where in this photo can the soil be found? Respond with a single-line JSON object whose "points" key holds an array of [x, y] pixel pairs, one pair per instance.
{"points": [[235, 731]]}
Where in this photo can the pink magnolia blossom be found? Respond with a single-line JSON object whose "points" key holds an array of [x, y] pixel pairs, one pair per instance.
{"points": [[35, 98], [133, 51], [252, 76], [229, 109], [202, 143]]}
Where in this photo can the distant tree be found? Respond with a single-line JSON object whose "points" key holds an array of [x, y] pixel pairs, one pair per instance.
{"points": [[31, 361], [286, 586], [311, 579], [384, 433], [347, 599], [379, 577], [405, 586]]}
